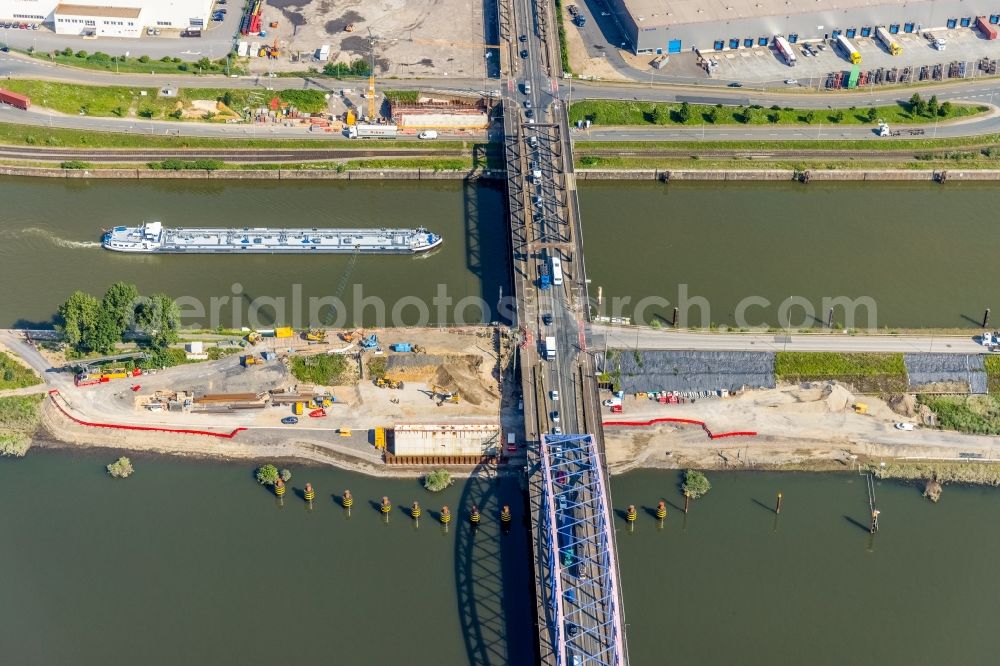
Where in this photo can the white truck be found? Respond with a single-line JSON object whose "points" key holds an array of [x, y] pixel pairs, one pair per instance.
{"points": [[362, 131], [784, 49], [550, 348]]}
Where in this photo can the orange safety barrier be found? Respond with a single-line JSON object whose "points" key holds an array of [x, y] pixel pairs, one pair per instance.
{"points": [[711, 435], [114, 426]]}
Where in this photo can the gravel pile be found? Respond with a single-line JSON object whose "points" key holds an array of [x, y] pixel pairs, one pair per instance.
{"points": [[663, 370], [924, 369]]}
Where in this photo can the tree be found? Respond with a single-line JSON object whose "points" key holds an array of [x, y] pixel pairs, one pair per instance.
{"points": [[144, 59], [77, 316], [713, 115], [933, 106], [838, 116], [286, 475], [945, 109], [227, 98], [119, 303], [102, 334], [810, 116], [872, 114], [695, 484], [267, 474], [660, 115], [159, 318], [81, 54], [204, 64], [684, 113], [917, 105], [438, 480]]}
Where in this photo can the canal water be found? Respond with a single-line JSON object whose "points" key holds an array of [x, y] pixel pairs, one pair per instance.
{"points": [[920, 252], [732, 583], [194, 562], [50, 232]]}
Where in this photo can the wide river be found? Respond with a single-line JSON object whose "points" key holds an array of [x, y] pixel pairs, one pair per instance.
{"points": [[193, 562], [913, 254]]}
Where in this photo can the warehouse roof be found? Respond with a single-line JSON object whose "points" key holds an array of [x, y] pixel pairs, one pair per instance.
{"points": [[91, 10], [673, 12]]}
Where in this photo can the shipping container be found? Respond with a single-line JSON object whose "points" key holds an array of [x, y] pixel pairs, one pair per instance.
{"points": [[14, 99], [988, 29], [784, 49], [283, 332]]}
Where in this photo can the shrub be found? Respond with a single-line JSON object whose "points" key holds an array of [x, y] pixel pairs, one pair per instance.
{"points": [[438, 480], [143, 59], [267, 474], [695, 484], [75, 164], [121, 468]]}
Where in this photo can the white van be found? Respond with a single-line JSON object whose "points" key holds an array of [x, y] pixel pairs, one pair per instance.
{"points": [[428, 134]]}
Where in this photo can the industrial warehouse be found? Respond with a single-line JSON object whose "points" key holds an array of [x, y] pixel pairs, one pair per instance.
{"points": [[673, 26], [108, 18]]}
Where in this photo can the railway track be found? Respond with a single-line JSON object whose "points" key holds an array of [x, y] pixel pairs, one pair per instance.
{"points": [[582, 151], [225, 154]]}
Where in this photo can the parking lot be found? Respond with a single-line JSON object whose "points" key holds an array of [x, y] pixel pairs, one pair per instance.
{"points": [[763, 65]]}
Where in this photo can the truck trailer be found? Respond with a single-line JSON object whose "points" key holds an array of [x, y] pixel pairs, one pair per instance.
{"points": [[988, 30], [784, 49], [362, 131], [550, 348], [848, 49], [14, 99], [888, 41]]}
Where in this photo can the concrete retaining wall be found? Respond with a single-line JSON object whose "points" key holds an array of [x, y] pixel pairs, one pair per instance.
{"points": [[252, 174], [720, 175]]}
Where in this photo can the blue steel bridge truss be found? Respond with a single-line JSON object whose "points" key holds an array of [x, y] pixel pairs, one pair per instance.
{"points": [[583, 599]]}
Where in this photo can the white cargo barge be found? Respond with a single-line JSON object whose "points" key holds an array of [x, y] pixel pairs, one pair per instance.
{"points": [[153, 237]]}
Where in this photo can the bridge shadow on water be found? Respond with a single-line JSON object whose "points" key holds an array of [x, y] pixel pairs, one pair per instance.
{"points": [[493, 573], [487, 241]]}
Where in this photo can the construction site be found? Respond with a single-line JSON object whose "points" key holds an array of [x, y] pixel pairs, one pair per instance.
{"points": [[402, 397], [444, 38]]}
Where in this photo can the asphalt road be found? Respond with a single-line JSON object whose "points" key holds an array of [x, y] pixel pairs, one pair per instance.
{"points": [[635, 338], [978, 90]]}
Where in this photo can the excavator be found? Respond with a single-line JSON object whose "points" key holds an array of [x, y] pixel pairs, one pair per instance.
{"points": [[253, 337], [444, 396], [351, 336], [316, 335]]}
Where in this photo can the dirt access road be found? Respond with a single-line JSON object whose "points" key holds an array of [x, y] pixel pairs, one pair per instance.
{"points": [[795, 425]]}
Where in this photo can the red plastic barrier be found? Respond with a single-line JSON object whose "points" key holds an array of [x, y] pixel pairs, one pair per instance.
{"points": [[711, 435], [181, 431]]}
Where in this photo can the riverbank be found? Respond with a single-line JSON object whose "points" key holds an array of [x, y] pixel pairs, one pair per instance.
{"points": [[653, 175]]}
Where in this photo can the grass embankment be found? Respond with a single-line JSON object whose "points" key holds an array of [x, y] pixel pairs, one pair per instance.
{"points": [[27, 135], [146, 103], [974, 414], [19, 418], [322, 369], [138, 64], [865, 372], [986, 474], [963, 161], [992, 365], [563, 44], [621, 112], [13, 375]]}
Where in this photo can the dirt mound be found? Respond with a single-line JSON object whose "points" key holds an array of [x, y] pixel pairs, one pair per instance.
{"points": [[904, 404], [461, 373], [837, 397]]}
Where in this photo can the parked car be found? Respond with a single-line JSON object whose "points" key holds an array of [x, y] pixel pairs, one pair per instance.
{"points": [[290, 420], [735, 84], [428, 134], [905, 426]]}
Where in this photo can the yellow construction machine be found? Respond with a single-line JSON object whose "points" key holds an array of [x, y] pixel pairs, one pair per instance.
{"points": [[444, 396]]}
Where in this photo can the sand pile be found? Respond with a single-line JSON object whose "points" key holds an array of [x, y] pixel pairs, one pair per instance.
{"points": [[837, 397]]}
